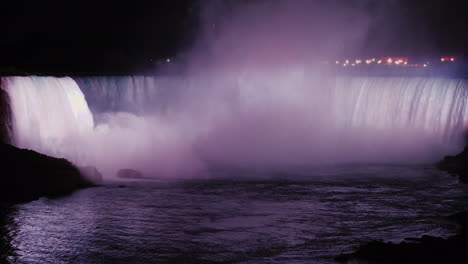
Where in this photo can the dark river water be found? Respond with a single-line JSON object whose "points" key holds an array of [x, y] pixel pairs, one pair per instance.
{"points": [[307, 217]]}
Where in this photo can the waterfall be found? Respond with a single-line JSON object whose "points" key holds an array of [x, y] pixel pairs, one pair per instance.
{"points": [[52, 116], [296, 116], [48, 113], [167, 124], [134, 94], [435, 106]]}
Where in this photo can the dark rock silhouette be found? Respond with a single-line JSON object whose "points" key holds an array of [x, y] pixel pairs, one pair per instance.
{"points": [[5, 116], [456, 165], [129, 174], [27, 175], [426, 249]]}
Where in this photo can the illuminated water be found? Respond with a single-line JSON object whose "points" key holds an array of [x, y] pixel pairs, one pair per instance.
{"points": [[177, 127], [306, 217], [275, 124], [48, 113]]}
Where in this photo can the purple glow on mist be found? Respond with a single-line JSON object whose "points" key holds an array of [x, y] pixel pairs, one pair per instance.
{"points": [[258, 93]]}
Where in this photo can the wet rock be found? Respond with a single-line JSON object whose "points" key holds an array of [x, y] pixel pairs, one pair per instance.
{"points": [[92, 174], [456, 165], [129, 174], [26, 175]]}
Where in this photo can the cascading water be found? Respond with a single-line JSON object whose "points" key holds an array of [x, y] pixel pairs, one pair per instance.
{"points": [[49, 114], [292, 117], [169, 126], [422, 117], [434, 105], [134, 94]]}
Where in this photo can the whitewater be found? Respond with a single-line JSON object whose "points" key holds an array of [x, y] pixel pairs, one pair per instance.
{"points": [[174, 126]]}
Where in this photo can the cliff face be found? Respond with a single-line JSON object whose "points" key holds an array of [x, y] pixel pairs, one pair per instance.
{"points": [[456, 165], [5, 116], [26, 175]]}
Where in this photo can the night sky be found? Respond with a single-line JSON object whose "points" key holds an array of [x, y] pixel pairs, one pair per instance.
{"points": [[128, 36], [92, 36]]}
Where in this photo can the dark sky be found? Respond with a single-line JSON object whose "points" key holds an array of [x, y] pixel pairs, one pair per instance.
{"points": [[421, 27], [92, 36], [102, 36]]}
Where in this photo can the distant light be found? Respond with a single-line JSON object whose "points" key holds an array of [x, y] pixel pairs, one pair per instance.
{"points": [[344, 64], [353, 64], [373, 59], [389, 61], [168, 60], [406, 63], [379, 62], [337, 62], [452, 59], [425, 65], [442, 59]]}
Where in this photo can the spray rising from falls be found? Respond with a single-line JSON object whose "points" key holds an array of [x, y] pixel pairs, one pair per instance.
{"points": [[173, 126], [294, 117], [51, 115]]}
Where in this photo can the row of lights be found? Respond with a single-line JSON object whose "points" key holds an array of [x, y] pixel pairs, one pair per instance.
{"points": [[399, 61], [387, 61], [447, 59]]}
